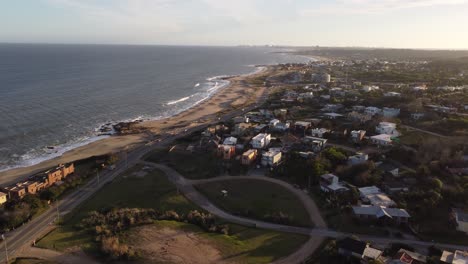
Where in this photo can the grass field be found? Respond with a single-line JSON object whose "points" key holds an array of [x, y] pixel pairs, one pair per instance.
{"points": [[244, 245], [150, 191], [191, 165], [255, 199]]}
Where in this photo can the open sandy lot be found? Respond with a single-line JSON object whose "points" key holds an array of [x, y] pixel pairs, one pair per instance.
{"points": [[167, 245]]}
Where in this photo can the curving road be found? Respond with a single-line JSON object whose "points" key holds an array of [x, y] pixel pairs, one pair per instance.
{"points": [[34, 229], [316, 234]]}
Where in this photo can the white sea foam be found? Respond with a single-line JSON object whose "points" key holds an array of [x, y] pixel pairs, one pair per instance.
{"points": [[36, 156], [178, 101]]}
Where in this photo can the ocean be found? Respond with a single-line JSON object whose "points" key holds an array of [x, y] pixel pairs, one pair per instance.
{"points": [[59, 95]]}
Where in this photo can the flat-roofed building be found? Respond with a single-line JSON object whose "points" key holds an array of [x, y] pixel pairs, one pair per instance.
{"points": [[395, 215], [15, 192], [249, 156]]}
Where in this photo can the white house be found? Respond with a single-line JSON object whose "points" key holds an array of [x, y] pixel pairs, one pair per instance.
{"points": [[457, 257], [392, 94], [330, 183], [271, 158], [332, 107], [390, 112], [358, 158], [231, 141], [420, 88], [369, 88], [381, 140], [379, 212], [357, 135], [375, 196], [387, 128], [372, 110], [332, 115], [261, 141], [282, 126], [273, 123], [319, 132]]}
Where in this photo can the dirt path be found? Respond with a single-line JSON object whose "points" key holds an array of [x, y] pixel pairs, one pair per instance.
{"points": [[186, 187]]}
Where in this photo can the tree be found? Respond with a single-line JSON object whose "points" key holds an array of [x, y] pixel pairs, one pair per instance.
{"points": [[334, 155]]}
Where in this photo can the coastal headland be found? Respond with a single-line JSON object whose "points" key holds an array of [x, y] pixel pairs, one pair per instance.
{"points": [[242, 91]]}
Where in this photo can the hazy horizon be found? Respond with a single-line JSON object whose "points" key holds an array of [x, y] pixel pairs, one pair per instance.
{"points": [[409, 24]]}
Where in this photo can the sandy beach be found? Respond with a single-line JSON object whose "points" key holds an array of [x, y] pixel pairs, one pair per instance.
{"points": [[238, 94]]}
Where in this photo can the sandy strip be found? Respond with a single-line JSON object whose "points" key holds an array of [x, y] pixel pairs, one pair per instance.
{"points": [[238, 94]]}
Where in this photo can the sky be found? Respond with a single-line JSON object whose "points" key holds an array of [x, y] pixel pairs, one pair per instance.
{"points": [[434, 24]]}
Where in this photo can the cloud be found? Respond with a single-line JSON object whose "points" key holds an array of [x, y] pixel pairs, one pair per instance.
{"points": [[376, 6], [157, 16]]}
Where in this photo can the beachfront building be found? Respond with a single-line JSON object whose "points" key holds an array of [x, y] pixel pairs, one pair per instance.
{"points": [[14, 192], [57, 174], [387, 128], [261, 141], [271, 158], [249, 157]]}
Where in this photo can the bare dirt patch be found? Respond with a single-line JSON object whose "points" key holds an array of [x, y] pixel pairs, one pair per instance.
{"points": [[167, 245]]}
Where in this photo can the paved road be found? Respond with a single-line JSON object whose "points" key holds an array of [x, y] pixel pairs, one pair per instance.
{"points": [[26, 234], [186, 187], [424, 131], [309, 204], [314, 242]]}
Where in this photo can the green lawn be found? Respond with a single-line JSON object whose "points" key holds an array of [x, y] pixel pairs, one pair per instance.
{"points": [[245, 245], [153, 190], [256, 199], [190, 165]]}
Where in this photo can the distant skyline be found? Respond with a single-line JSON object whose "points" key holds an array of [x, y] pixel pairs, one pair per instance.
{"points": [[426, 24]]}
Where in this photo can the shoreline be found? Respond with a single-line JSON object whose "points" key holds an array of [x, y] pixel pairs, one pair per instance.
{"points": [[236, 93]]}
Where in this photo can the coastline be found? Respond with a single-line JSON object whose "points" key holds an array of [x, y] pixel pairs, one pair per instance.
{"points": [[235, 94]]}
